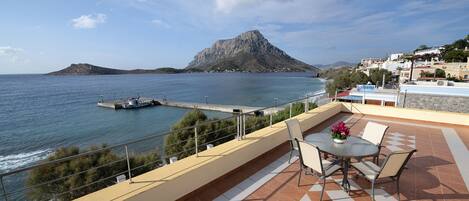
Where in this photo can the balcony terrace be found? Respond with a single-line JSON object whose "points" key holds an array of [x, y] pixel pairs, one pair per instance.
{"points": [[257, 168]]}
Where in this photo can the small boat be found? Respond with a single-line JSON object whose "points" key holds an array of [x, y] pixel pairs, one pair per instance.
{"points": [[133, 103]]}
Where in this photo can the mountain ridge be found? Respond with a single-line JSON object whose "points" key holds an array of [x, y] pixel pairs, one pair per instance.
{"points": [[337, 64], [89, 69], [248, 52]]}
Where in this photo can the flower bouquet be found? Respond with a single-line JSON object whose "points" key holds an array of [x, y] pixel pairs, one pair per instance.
{"points": [[340, 132]]}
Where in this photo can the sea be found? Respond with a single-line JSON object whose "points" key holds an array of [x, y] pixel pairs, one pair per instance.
{"points": [[39, 113]]}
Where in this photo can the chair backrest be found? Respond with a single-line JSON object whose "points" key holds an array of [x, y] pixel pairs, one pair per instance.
{"points": [[374, 132], [310, 156], [294, 131], [394, 163]]}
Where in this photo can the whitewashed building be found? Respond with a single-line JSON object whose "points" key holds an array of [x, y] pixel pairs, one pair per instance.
{"points": [[433, 50], [371, 63], [394, 62], [396, 57]]}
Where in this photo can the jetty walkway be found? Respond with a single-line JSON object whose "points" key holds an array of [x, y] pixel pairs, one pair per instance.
{"points": [[119, 104]]}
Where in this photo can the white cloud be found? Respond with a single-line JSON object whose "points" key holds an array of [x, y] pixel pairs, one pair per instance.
{"points": [[8, 51], [226, 6], [89, 21], [160, 23], [11, 54]]}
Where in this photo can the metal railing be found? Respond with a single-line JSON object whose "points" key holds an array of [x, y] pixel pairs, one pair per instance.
{"points": [[237, 127]]}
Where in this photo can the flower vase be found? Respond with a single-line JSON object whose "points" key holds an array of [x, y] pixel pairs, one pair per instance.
{"points": [[339, 141]]}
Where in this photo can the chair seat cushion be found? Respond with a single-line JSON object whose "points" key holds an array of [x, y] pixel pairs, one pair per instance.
{"points": [[368, 168], [328, 168]]}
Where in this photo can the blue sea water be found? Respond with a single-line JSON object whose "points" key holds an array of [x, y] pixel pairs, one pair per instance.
{"points": [[39, 113]]}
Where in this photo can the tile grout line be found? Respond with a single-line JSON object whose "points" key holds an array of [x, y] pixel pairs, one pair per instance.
{"points": [[459, 151]]}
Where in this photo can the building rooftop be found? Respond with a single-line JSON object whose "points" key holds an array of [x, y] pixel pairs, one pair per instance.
{"points": [[257, 168]]}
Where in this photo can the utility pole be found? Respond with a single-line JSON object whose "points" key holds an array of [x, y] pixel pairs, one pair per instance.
{"points": [[411, 68], [384, 76]]}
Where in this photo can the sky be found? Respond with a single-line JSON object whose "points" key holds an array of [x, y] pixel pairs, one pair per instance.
{"points": [[43, 36]]}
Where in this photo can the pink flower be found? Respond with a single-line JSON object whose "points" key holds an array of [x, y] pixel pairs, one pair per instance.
{"points": [[341, 129]]}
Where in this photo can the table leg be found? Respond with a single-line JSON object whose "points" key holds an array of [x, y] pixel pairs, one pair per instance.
{"points": [[345, 182]]}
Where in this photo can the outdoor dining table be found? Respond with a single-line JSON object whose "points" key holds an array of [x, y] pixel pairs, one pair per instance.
{"points": [[353, 147]]}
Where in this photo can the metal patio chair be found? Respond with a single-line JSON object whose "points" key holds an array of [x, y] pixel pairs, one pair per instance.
{"points": [[310, 158], [294, 131], [374, 133], [392, 168]]}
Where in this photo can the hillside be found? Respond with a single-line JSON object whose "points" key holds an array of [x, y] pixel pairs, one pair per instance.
{"points": [[248, 52], [338, 64], [88, 69]]}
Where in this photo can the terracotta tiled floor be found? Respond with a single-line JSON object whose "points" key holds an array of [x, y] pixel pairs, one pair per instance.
{"points": [[431, 174]]}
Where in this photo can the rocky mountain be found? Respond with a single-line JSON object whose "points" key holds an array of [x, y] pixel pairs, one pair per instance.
{"points": [[338, 64], [88, 69], [248, 52]]}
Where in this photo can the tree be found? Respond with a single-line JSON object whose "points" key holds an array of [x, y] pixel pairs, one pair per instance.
{"points": [[340, 82], [78, 177], [425, 74], [454, 79], [181, 141], [345, 79], [440, 73], [460, 44], [376, 76], [421, 47], [455, 56], [358, 77], [455, 52]]}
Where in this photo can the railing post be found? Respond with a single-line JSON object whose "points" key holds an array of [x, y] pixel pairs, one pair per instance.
{"points": [[405, 96], [335, 97], [306, 105], [270, 119], [363, 99], [196, 143], [4, 189], [290, 109], [128, 163], [244, 126], [238, 126]]}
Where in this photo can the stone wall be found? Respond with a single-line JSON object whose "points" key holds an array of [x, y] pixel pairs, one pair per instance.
{"points": [[435, 102]]}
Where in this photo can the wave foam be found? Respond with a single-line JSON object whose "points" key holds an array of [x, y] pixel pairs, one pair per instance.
{"points": [[315, 93], [10, 162]]}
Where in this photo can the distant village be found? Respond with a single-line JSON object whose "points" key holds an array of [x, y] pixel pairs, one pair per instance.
{"points": [[422, 65], [433, 78]]}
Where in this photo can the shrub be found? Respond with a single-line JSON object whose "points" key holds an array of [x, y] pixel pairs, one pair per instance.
{"points": [[78, 176]]}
